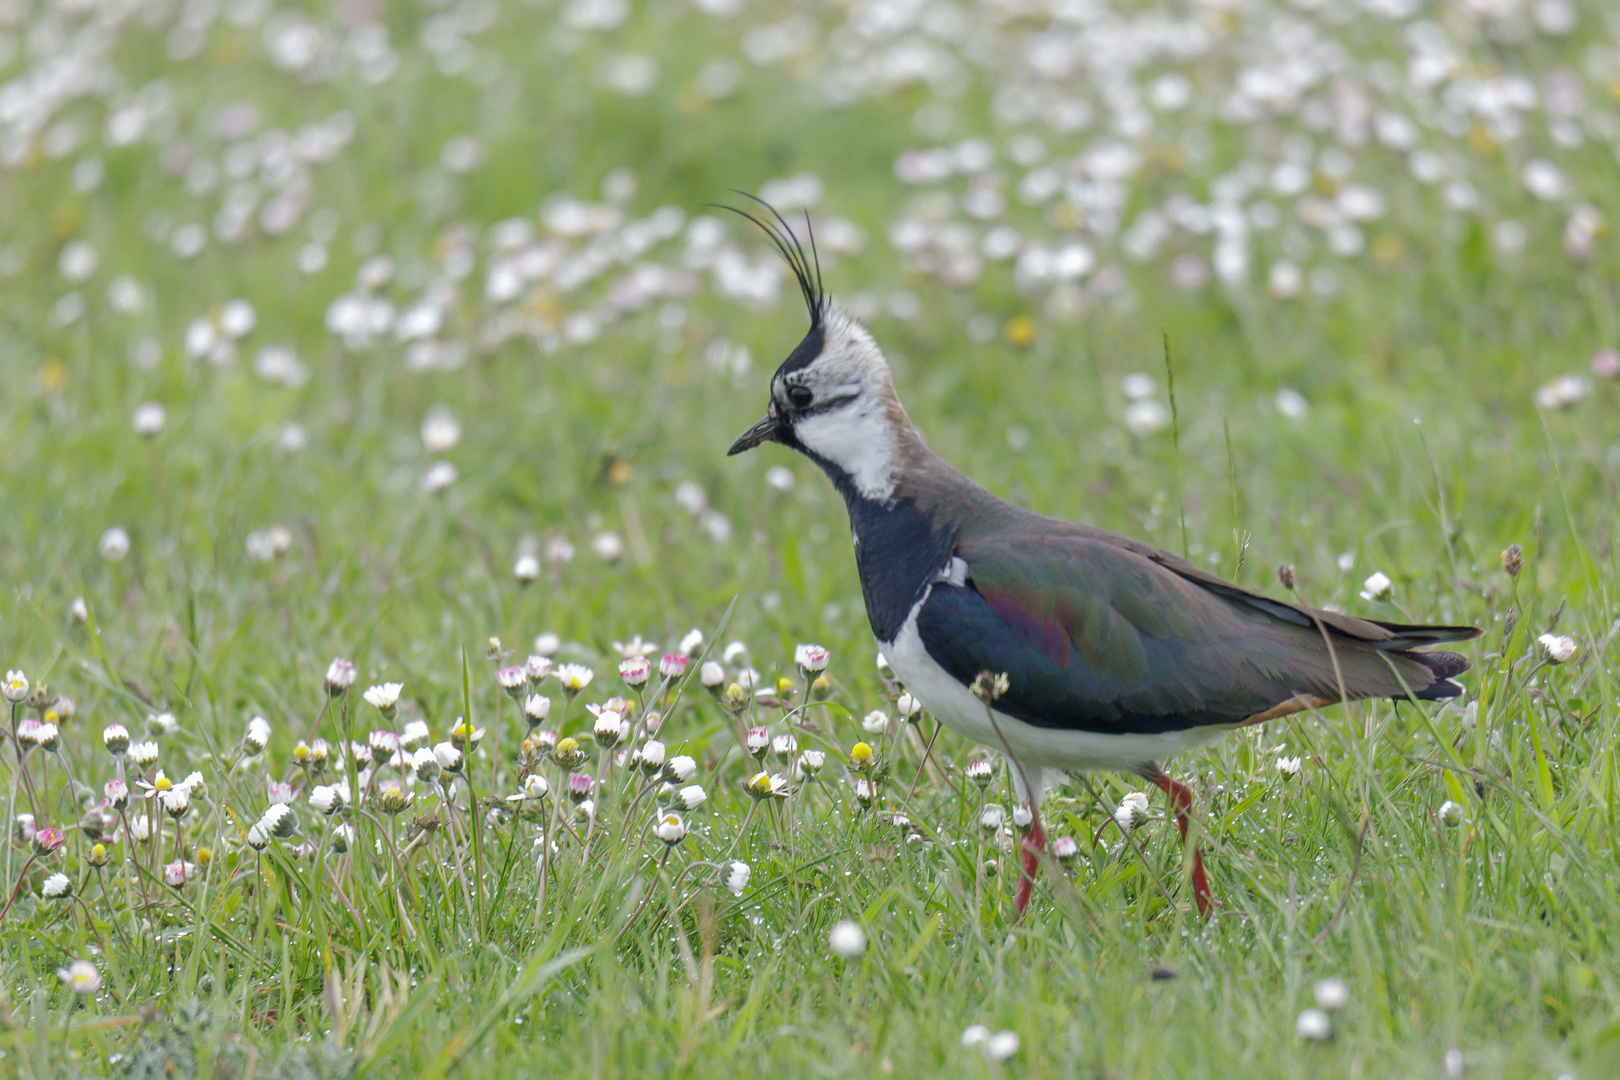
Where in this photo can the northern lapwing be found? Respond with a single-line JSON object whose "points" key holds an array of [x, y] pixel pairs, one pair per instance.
{"points": [[1117, 654]]}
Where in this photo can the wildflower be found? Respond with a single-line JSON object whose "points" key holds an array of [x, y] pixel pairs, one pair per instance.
{"points": [[535, 788], [384, 746], [116, 793], [328, 799], [1606, 364], [342, 837], [764, 785], [450, 758], [1376, 587], [567, 753], [27, 733], [711, 675], [526, 568], [1313, 1024], [734, 876], [148, 419], [48, 839], [680, 768], [57, 887], [574, 677], [99, 855], [49, 737], [1065, 848], [1330, 993], [1556, 648], [1562, 392], [670, 829], [883, 668], [875, 722], [1132, 811], [811, 660], [607, 546], [635, 670], [691, 797], [992, 817], [1023, 818], [81, 977], [975, 1035], [652, 757], [1289, 767], [865, 792], [812, 762], [690, 642], [176, 801], [672, 665], [79, 611], [466, 737], [1000, 1046], [908, 706], [847, 939], [425, 765], [257, 737], [339, 677], [735, 653], [862, 758], [1451, 814], [440, 431], [15, 688], [784, 745], [979, 772], [758, 741], [610, 728], [114, 544], [414, 734], [514, 680], [177, 873], [278, 791], [162, 723], [279, 821], [579, 787], [143, 753], [392, 798], [385, 698]]}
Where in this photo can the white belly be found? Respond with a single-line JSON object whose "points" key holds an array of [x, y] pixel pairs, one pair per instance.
{"points": [[1036, 747]]}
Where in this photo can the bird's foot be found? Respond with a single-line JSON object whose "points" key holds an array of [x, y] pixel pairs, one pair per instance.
{"points": [[1181, 800], [1032, 847]]}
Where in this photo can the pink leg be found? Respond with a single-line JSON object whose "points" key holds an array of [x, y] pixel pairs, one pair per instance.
{"points": [[1181, 799], [1034, 843]]}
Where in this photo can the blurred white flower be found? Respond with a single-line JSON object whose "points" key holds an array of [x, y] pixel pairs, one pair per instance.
{"points": [[1557, 648], [1376, 587], [847, 939], [1331, 993], [1313, 1024], [114, 544], [149, 419]]}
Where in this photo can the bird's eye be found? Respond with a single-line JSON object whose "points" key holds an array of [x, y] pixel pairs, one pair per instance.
{"points": [[800, 396]]}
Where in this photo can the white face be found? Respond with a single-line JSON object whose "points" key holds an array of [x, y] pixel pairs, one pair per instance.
{"points": [[842, 408]]}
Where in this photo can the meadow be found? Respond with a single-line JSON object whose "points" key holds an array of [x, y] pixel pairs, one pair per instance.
{"points": [[353, 346]]}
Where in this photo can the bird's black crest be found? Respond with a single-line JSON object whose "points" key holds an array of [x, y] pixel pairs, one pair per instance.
{"points": [[806, 268]]}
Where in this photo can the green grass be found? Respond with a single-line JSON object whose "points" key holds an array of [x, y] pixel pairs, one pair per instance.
{"points": [[1492, 937]]}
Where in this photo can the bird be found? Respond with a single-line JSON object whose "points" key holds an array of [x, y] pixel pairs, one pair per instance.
{"points": [[1069, 647]]}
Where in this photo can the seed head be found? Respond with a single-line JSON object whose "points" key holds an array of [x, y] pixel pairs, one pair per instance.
{"points": [[1285, 575], [1513, 560], [989, 686]]}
